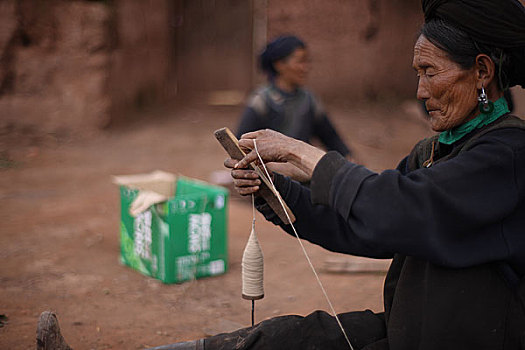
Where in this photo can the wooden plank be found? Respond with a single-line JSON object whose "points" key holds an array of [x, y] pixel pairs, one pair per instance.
{"points": [[353, 264], [230, 143]]}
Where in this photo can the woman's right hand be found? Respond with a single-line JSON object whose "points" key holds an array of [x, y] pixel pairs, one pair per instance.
{"points": [[245, 181], [273, 146]]}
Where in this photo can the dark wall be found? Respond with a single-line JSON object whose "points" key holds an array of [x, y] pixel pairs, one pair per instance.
{"points": [[361, 49], [142, 71], [214, 47]]}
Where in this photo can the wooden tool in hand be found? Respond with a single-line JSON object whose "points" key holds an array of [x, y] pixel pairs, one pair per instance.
{"points": [[230, 143]]}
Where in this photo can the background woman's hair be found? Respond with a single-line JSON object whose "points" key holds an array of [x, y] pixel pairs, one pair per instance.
{"points": [[462, 49], [278, 49]]}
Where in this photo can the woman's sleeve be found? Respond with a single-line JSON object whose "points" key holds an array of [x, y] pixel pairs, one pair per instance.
{"points": [[250, 121], [325, 131], [450, 214], [252, 116], [318, 224]]}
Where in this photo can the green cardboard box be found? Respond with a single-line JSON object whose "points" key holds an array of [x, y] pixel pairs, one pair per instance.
{"points": [[181, 238]]}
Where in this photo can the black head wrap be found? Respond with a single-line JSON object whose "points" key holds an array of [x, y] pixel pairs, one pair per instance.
{"points": [[281, 47], [494, 23]]}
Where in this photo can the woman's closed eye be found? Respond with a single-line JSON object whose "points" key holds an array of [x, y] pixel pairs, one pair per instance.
{"points": [[430, 72]]}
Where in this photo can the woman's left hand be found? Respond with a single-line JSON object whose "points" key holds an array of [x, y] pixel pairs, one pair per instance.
{"points": [[245, 181]]}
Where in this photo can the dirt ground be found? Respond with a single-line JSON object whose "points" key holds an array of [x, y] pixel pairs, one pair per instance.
{"points": [[59, 245]]}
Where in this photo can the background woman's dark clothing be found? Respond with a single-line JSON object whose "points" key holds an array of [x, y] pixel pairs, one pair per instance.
{"points": [[451, 226], [298, 115]]}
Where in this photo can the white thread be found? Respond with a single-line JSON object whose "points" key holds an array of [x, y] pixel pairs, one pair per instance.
{"points": [[253, 265], [253, 209], [252, 268], [304, 250]]}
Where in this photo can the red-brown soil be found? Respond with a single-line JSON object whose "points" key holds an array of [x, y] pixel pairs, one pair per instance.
{"points": [[59, 243]]}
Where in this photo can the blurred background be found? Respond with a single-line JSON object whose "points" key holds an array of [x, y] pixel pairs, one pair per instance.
{"points": [[84, 65], [91, 89]]}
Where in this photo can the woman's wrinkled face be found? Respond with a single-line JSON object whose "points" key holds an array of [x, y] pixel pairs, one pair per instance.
{"points": [[448, 90], [294, 68]]}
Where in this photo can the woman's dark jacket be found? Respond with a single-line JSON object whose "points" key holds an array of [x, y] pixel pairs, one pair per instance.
{"points": [[299, 115], [455, 231]]}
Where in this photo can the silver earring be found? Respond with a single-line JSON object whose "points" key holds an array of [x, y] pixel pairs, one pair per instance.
{"points": [[485, 106]]}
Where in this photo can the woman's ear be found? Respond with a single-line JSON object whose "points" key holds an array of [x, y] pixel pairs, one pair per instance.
{"points": [[484, 69], [278, 65]]}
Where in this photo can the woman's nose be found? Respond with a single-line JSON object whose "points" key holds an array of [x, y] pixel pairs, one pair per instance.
{"points": [[305, 68], [423, 92]]}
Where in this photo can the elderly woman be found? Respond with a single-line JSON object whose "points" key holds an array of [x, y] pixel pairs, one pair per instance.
{"points": [[452, 215]]}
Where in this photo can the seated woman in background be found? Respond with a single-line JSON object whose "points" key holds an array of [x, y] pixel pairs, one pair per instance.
{"points": [[283, 104]]}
